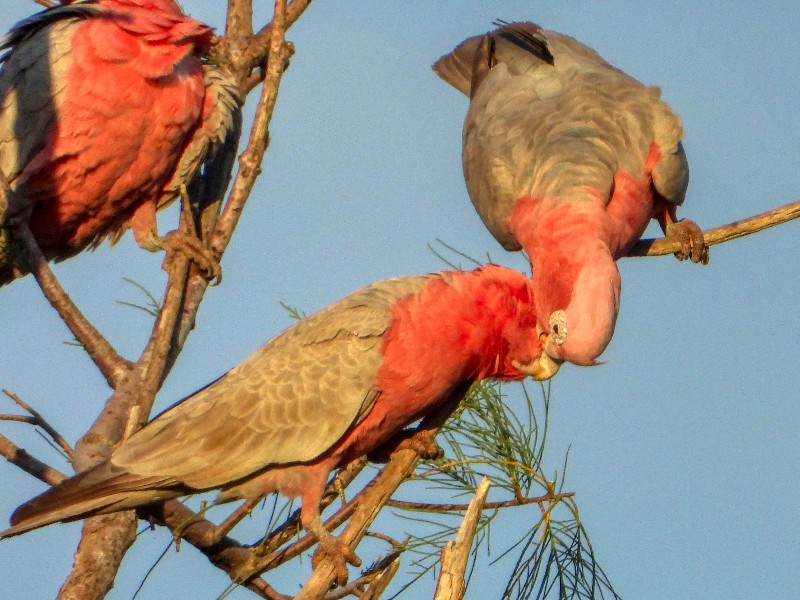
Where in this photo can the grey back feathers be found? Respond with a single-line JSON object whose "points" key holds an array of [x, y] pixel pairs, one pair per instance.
{"points": [[549, 117]]}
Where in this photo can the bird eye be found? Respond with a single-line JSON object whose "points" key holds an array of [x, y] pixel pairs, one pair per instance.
{"points": [[558, 326]]}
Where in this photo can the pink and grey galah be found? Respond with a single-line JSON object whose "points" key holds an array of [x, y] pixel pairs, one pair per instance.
{"points": [[332, 387], [568, 158], [106, 111]]}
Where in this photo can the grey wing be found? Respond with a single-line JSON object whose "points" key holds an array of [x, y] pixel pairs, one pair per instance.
{"points": [[32, 82], [221, 116], [288, 402], [671, 172]]}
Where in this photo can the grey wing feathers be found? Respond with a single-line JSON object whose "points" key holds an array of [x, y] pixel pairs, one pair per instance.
{"points": [[671, 172], [32, 80], [288, 402], [224, 118]]}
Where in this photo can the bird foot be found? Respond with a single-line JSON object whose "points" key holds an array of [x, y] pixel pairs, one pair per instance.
{"points": [[332, 548], [690, 236], [177, 241], [422, 442]]}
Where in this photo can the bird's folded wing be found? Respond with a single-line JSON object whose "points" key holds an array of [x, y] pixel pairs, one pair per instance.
{"points": [[32, 81], [288, 402]]}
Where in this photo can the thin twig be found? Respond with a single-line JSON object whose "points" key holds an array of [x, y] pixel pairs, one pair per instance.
{"points": [[265, 590], [724, 233], [39, 420], [432, 507], [234, 519], [384, 538], [33, 466], [250, 160]]}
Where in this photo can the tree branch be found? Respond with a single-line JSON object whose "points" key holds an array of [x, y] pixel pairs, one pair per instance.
{"points": [[250, 160], [239, 22], [181, 297], [455, 555], [221, 229], [725, 233], [113, 367], [37, 419], [262, 41], [33, 466]]}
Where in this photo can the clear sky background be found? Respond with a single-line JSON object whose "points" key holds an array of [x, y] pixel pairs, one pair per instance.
{"points": [[683, 446]]}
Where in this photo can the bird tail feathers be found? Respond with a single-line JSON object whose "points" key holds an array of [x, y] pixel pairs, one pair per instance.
{"points": [[456, 68], [97, 491]]}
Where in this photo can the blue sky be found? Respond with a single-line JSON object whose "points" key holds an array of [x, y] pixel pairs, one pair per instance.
{"points": [[683, 447]]}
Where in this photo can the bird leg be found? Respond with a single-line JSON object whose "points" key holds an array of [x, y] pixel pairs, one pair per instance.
{"points": [[331, 547], [422, 442], [145, 231], [686, 232]]}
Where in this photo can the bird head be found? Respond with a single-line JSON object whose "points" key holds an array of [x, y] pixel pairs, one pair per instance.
{"points": [[525, 353], [576, 284], [518, 352], [577, 297]]}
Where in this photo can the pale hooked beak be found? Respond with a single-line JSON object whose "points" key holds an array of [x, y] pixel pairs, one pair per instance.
{"points": [[541, 368]]}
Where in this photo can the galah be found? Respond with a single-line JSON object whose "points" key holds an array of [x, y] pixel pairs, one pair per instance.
{"points": [[332, 387], [106, 111], [569, 158]]}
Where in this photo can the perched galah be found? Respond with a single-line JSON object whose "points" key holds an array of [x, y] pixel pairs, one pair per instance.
{"points": [[569, 158], [106, 111], [332, 387]]}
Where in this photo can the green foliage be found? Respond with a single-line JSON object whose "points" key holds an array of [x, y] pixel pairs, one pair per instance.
{"points": [[152, 307], [486, 437], [293, 312]]}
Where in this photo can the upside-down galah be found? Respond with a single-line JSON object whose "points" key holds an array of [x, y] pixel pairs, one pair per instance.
{"points": [[332, 387], [106, 111], [569, 158]]}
